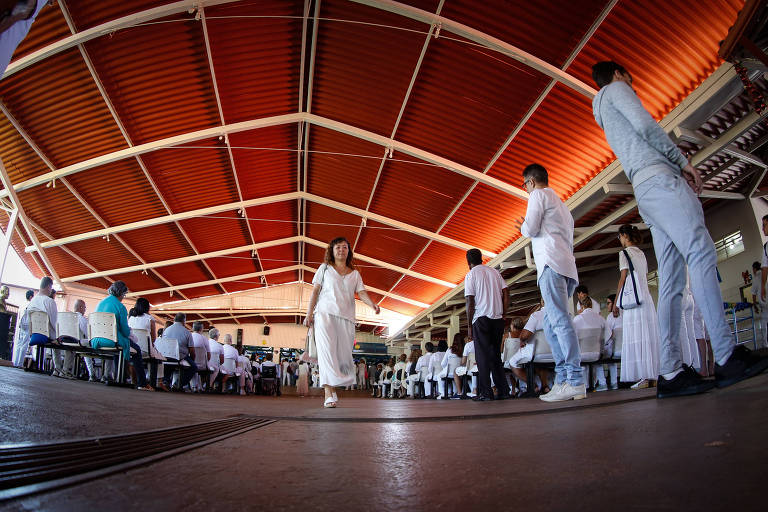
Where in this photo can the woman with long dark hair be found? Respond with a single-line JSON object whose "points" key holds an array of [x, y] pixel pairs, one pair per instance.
{"points": [[331, 311], [641, 341]]}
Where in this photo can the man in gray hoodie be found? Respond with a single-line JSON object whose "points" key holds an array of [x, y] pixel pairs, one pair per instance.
{"points": [[666, 187]]}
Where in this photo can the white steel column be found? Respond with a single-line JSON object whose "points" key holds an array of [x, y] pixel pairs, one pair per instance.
{"points": [[7, 240]]}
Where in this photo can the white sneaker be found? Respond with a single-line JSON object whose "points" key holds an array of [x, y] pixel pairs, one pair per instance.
{"points": [[565, 392], [601, 387], [640, 385]]}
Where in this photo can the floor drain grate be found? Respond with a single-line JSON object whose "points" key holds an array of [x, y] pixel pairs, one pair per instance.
{"points": [[31, 468]]}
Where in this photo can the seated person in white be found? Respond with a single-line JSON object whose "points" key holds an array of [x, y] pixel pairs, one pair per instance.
{"points": [[385, 379], [511, 346], [436, 363], [200, 343], [230, 354], [400, 367], [450, 362], [613, 322], [269, 363], [215, 355], [246, 377], [425, 362], [584, 301], [588, 319], [82, 325], [525, 354], [467, 358], [412, 372]]}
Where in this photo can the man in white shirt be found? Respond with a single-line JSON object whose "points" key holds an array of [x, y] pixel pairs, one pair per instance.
{"points": [[42, 301], [230, 353], [215, 355], [525, 354], [613, 323], [549, 224], [268, 363], [464, 369], [82, 325], [200, 343], [424, 362], [21, 343], [487, 298], [246, 377], [584, 301]]}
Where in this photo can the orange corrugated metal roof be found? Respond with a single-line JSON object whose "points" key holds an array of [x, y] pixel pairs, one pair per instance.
{"points": [[465, 102]]}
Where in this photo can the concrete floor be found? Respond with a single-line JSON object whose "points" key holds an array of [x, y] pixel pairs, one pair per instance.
{"points": [[621, 449]]}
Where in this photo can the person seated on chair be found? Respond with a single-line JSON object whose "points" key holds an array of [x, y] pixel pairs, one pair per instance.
{"points": [[268, 363], [613, 321], [436, 364], [450, 362], [525, 354], [42, 301], [113, 303], [246, 377], [215, 356], [376, 375], [385, 380], [588, 319], [398, 374], [183, 337], [425, 361], [411, 375], [230, 354], [511, 346], [200, 343], [82, 327], [139, 318], [584, 300], [469, 348]]}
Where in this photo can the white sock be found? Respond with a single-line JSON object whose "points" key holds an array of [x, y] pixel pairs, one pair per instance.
{"points": [[672, 375]]}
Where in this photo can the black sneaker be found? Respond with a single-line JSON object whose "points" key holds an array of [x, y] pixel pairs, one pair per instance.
{"points": [[742, 364], [687, 382]]}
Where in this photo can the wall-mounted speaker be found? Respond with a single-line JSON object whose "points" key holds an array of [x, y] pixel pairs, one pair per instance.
{"points": [[266, 330]]}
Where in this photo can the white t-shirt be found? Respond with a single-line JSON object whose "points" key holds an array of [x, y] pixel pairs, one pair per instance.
{"points": [[140, 322], [230, 352], [549, 224], [535, 321], [48, 305], [612, 323], [588, 319], [486, 285], [215, 349], [337, 295], [469, 348], [511, 345]]}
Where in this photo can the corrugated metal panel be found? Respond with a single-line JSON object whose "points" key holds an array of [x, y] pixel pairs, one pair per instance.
{"points": [[378, 277], [389, 244], [325, 223], [431, 193], [548, 30], [334, 174], [65, 264], [233, 265], [314, 257], [270, 171], [185, 273], [278, 256], [21, 162], [57, 211], [193, 176], [104, 255], [215, 232], [235, 286], [200, 291], [443, 261], [89, 13], [119, 192], [177, 79], [156, 243], [256, 60], [401, 307], [137, 281], [466, 102], [419, 290], [273, 221], [59, 106], [49, 27], [353, 81], [573, 153], [98, 282], [471, 222]]}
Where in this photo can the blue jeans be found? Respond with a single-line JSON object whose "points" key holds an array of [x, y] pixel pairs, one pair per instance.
{"points": [[558, 328], [669, 206]]}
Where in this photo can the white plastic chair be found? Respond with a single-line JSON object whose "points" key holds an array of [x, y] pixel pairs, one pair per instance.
{"points": [[590, 341], [618, 335], [38, 323], [142, 340], [541, 349], [104, 325], [229, 367], [67, 324]]}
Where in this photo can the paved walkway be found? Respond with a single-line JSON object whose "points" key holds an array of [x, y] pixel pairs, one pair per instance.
{"points": [[621, 449]]}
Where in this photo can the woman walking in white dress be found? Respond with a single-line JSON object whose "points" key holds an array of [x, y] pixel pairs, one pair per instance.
{"points": [[332, 312], [640, 351]]}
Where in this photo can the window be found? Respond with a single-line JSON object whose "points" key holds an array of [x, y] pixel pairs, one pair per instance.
{"points": [[729, 246]]}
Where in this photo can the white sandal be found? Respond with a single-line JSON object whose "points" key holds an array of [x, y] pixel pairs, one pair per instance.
{"points": [[329, 403]]}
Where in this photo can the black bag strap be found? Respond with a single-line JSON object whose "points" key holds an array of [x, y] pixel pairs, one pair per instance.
{"points": [[632, 274], [765, 249]]}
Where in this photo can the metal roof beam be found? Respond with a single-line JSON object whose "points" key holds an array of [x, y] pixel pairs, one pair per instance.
{"points": [[483, 39], [626, 189]]}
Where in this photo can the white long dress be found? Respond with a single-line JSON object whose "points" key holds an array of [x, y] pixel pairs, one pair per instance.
{"points": [[641, 341], [335, 325]]}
